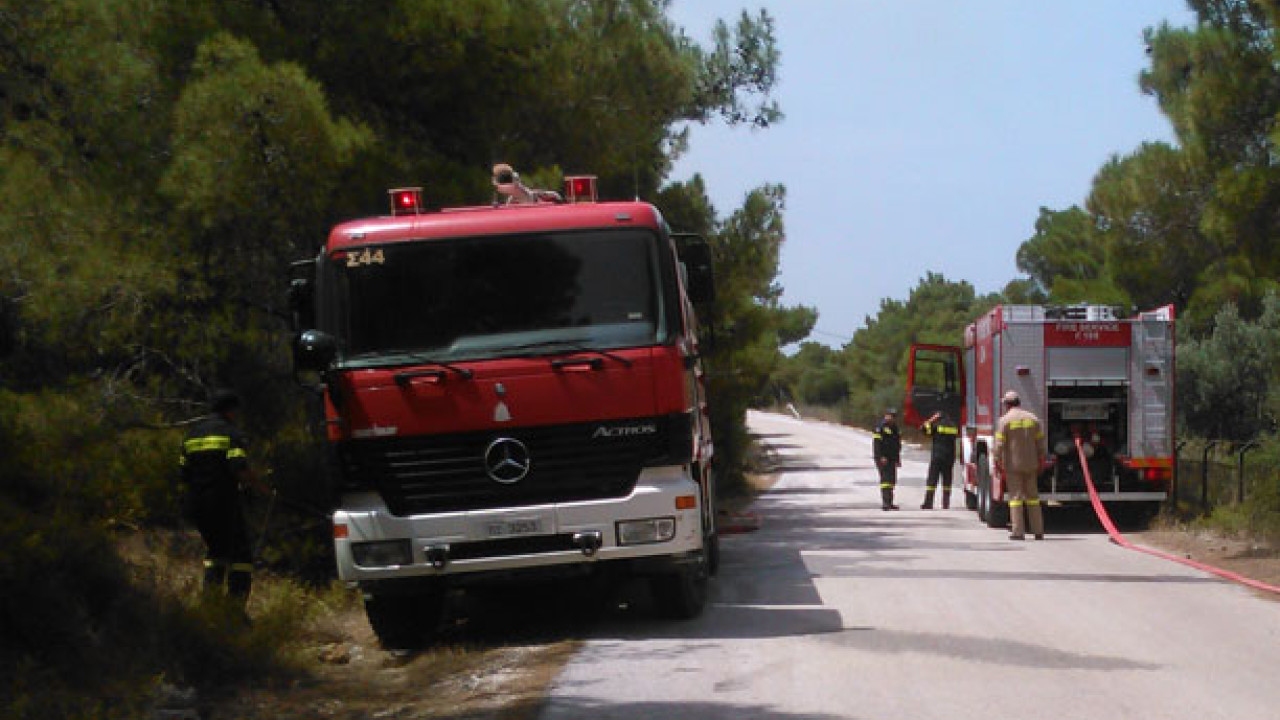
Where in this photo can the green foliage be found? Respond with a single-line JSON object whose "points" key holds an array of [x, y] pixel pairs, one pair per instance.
{"points": [[1226, 378], [869, 373], [1144, 209], [1191, 224], [740, 65], [746, 322], [1062, 249], [812, 377], [936, 312], [1213, 202], [160, 167]]}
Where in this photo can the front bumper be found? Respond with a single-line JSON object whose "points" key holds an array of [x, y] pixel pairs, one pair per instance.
{"points": [[523, 539]]}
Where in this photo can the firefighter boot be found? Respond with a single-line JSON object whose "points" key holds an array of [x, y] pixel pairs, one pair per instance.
{"points": [[1035, 518], [215, 576], [946, 497], [928, 499], [1016, 520], [886, 497]]}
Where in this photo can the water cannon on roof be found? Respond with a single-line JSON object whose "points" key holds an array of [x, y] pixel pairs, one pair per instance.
{"points": [[507, 182]]}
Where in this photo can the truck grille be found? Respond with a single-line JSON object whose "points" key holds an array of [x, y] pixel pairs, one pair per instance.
{"points": [[437, 473]]}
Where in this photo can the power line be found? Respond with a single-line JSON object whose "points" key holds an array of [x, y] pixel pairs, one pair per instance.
{"points": [[837, 336]]}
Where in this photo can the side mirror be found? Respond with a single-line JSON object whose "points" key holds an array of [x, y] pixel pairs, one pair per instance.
{"points": [[696, 255], [302, 303], [314, 350]]}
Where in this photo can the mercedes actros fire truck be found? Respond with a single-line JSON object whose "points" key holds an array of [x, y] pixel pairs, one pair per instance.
{"points": [[1086, 372], [511, 391]]}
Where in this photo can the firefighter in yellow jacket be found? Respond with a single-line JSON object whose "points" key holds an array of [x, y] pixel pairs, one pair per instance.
{"points": [[1019, 455]]}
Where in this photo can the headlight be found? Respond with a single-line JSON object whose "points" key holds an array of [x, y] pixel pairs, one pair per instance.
{"points": [[650, 530], [1088, 449], [382, 554], [1063, 447]]}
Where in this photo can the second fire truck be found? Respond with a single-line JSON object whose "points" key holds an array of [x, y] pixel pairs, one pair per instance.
{"points": [[1086, 371]]}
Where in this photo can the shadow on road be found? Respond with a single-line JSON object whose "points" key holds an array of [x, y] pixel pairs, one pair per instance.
{"points": [[684, 710]]}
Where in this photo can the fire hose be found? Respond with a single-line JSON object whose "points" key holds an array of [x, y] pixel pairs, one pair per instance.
{"points": [[1120, 540]]}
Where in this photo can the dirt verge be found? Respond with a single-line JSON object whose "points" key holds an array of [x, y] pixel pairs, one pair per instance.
{"points": [[1253, 560]]}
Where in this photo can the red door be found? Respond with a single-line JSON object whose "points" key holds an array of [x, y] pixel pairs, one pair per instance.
{"points": [[935, 383]]}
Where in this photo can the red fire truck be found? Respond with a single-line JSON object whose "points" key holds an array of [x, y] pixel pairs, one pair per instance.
{"points": [[511, 390], [1084, 371]]}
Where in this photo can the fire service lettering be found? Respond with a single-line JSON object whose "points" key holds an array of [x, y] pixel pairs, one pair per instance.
{"points": [[1109, 334], [624, 431]]}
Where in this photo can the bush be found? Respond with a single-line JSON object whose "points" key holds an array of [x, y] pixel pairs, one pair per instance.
{"points": [[88, 636]]}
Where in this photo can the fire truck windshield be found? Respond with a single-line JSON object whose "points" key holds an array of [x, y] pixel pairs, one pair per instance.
{"points": [[487, 297]]}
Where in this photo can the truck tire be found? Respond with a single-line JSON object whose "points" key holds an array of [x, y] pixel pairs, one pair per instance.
{"points": [[990, 511], [984, 489], [405, 622], [997, 512], [712, 544], [711, 534], [681, 595]]}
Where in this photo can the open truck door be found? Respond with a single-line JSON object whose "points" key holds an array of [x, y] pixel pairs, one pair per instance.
{"points": [[935, 383]]}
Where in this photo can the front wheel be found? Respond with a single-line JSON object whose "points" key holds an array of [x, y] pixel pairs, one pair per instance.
{"points": [[405, 622], [681, 595], [984, 489]]}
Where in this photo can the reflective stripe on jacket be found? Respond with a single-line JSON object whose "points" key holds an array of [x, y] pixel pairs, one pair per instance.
{"points": [[213, 453], [886, 442], [944, 437]]}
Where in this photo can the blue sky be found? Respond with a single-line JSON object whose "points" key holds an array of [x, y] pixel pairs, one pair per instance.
{"points": [[925, 135]]}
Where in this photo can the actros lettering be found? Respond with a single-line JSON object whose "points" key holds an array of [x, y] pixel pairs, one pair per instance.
{"points": [[624, 431]]}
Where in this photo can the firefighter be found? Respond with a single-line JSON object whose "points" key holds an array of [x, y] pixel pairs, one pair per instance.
{"points": [[942, 458], [886, 448], [1019, 455], [215, 467]]}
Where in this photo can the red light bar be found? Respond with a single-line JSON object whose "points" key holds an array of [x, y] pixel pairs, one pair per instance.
{"points": [[580, 188], [406, 201]]}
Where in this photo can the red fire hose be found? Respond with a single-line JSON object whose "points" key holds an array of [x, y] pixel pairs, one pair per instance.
{"points": [[1120, 540]]}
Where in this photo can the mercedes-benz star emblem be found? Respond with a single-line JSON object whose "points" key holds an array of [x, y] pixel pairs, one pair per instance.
{"points": [[506, 460]]}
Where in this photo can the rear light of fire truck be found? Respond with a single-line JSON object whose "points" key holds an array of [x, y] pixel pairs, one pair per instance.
{"points": [[406, 201], [1156, 475], [580, 188]]}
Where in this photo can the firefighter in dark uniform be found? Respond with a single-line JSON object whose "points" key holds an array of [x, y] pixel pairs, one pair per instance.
{"points": [[886, 448], [215, 466], [942, 458]]}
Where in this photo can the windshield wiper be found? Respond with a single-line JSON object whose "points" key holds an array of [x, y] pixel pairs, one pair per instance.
{"points": [[564, 346], [415, 357]]}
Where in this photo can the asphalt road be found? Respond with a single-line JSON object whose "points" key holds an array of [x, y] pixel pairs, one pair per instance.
{"points": [[836, 609]]}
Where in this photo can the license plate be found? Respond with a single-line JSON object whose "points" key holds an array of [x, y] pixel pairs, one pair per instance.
{"points": [[1084, 411], [509, 528]]}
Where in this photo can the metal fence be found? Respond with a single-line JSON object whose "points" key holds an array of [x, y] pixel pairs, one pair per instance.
{"points": [[1209, 476]]}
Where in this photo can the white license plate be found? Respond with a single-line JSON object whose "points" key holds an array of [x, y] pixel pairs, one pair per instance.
{"points": [[509, 528]]}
